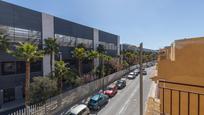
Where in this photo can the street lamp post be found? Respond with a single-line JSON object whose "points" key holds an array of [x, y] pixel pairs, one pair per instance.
{"points": [[141, 78]]}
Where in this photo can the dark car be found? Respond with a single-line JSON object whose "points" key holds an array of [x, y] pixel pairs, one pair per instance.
{"points": [[121, 84], [111, 90], [143, 72], [97, 101]]}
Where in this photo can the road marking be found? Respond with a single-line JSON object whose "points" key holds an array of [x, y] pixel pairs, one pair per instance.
{"points": [[126, 103], [132, 94]]}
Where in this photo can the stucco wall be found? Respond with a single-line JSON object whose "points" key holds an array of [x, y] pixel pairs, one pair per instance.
{"points": [[183, 62]]}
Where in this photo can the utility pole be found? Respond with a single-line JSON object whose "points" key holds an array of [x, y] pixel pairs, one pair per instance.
{"points": [[141, 78], [103, 72]]}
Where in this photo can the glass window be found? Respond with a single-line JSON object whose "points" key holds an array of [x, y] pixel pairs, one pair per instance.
{"points": [[64, 40], [36, 66], [8, 95], [7, 31], [86, 42], [8, 68], [108, 46], [26, 35], [20, 67], [19, 34], [82, 112]]}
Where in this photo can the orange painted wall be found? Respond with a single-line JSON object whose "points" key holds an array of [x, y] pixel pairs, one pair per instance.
{"points": [[187, 66]]}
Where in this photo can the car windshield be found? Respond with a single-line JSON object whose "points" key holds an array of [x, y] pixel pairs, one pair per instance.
{"points": [[92, 101], [119, 81], [109, 88], [70, 113]]}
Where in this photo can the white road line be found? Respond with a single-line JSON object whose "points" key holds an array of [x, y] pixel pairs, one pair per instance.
{"points": [[126, 103]]}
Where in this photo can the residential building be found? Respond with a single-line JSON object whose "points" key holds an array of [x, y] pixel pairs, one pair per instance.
{"points": [[180, 77], [22, 24]]}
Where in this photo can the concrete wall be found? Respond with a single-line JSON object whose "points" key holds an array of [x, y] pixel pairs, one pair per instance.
{"points": [[47, 31], [118, 45], [95, 45], [74, 95]]}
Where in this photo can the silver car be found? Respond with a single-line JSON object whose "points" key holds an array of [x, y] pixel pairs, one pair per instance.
{"points": [[80, 109]]}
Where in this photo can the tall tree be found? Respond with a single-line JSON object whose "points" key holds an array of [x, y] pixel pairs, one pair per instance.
{"points": [[101, 51], [60, 73], [51, 48], [29, 53], [4, 42], [80, 55], [91, 56]]}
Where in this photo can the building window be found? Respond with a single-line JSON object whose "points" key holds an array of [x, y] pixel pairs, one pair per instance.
{"points": [[108, 46], [64, 40], [88, 43], [8, 68], [8, 95], [20, 35], [36, 66], [70, 41], [20, 67]]}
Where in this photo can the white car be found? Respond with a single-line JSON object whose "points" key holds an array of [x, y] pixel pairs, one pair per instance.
{"points": [[131, 75], [80, 109]]}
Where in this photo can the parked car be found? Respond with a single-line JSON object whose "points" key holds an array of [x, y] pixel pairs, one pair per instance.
{"points": [[97, 101], [120, 84], [136, 72], [111, 90], [131, 75], [143, 72], [80, 109]]}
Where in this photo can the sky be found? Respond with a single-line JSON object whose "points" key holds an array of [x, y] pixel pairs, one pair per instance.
{"points": [[156, 23]]}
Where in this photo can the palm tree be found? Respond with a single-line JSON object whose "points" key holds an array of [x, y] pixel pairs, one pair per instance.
{"points": [[51, 48], [80, 55], [4, 42], [129, 57], [101, 51], [29, 53], [91, 56], [107, 58], [60, 73]]}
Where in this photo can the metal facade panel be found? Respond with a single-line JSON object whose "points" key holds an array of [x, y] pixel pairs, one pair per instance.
{"points": [[107, 37], [20, 17], [7, 11], [68, 28]]}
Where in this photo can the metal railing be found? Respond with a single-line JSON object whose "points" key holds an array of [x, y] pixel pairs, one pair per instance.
{"points": [[163, 88]]}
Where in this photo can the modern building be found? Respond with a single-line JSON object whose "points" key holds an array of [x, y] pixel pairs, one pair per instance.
{"points": [[22, 24], [126, 47], [180, 77]]}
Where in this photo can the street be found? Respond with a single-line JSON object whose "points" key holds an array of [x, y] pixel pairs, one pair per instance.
{"points": [[126, 101]]}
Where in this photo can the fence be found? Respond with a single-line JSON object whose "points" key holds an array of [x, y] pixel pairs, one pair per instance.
{"points": [[181, 99], [65, 100]]}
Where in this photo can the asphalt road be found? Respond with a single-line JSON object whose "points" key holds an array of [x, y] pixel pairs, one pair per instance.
{"points": [[126, 101]]}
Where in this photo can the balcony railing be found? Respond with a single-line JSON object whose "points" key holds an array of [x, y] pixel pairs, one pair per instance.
{"points": [[181, 98]]}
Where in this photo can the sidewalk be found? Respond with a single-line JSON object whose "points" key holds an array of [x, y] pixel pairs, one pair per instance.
{"points": [[153, 103]]}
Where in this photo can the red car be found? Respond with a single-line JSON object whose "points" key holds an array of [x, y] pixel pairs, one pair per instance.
{"points": [[111, 90]]}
